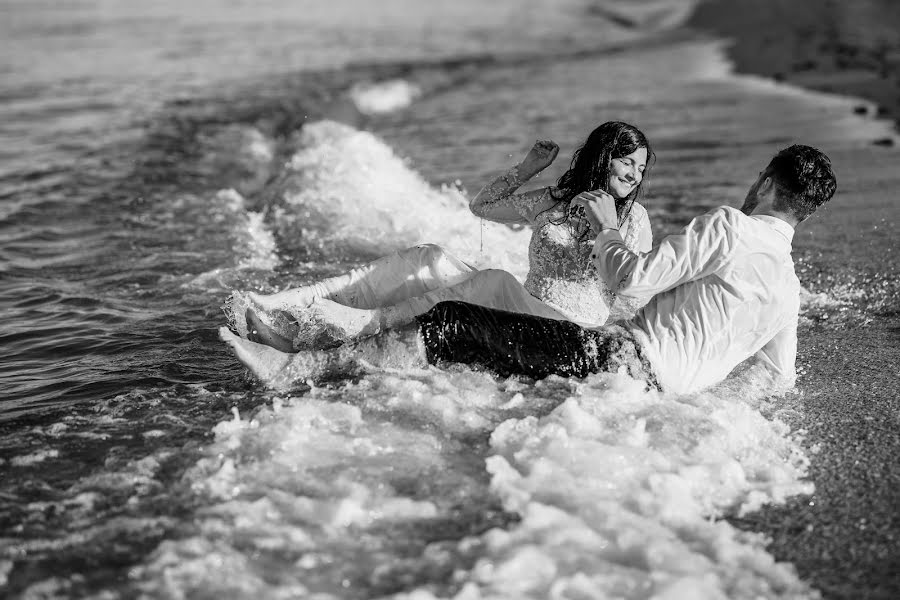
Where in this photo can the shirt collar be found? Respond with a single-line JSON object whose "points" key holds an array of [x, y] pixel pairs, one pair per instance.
{"points": [[778, 225]]}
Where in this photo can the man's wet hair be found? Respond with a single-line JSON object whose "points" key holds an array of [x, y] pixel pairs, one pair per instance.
{"points": [[804, 179]]}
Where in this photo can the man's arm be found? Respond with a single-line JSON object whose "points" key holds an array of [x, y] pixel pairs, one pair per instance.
{"points": [[697, 251], [780, 355]]}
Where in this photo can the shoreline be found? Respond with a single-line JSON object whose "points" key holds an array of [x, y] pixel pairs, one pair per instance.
{"points": [[843, 539], [852, 49]]}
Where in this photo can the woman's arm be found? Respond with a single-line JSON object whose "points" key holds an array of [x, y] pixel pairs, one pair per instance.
{"points": [[498, 201]]}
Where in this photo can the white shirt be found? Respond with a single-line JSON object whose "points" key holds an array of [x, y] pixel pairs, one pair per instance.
{"points": [[724, 289]]}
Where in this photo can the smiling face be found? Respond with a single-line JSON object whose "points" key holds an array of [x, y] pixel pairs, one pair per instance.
{"points": [[626, 173], [615, 158]]}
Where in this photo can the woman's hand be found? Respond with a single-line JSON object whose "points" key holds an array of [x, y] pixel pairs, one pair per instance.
{"points": [[598, 207], [538, 158]]}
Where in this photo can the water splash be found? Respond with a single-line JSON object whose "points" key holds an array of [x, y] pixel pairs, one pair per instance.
{"points": [[345, 190], [619, 491]]}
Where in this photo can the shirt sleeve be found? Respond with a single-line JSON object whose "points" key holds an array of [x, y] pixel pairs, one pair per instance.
{"points": [[645, 234], [696, 252], [637, 230], [779, 356]]}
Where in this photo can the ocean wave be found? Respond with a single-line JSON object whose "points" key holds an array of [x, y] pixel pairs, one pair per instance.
{"points": [[346, 191], [252, 243], [618, 491]]}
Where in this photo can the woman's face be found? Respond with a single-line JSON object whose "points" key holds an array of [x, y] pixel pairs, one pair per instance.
{"points": [[626, 173]]}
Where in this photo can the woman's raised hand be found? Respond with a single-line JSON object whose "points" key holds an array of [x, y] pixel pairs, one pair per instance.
{"points": [[538, 158]]}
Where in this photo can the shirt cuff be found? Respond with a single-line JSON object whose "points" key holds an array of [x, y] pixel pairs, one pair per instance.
{"points": [[604, 237]]}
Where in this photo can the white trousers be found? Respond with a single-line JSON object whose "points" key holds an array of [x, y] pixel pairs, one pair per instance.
{"points": [[410, 282]]}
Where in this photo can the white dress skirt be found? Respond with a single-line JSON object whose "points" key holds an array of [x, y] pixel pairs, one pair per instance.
{"points": [[561, 282]]}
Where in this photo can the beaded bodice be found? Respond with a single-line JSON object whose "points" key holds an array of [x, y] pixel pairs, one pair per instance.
{"points": [[560, 271]]}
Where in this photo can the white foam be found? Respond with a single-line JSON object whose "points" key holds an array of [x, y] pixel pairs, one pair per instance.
{"points": [[384, 96], [838, 296], [26, 460], [5, 568], [345, 188], [619, 489], [252, 242]]}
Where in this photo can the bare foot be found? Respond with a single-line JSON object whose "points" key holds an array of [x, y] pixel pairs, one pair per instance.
{"points": [[264, 362], [259, 332], [326, 321]]}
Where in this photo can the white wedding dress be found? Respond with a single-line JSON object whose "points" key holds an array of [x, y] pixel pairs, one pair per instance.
{"points": [[561, 282]]}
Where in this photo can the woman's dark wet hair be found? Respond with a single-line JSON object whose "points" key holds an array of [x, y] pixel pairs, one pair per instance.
{"points": [[804, 179], [592, 163]]}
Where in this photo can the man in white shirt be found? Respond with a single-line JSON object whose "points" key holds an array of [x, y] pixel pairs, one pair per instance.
{"points": [[720, 291]]}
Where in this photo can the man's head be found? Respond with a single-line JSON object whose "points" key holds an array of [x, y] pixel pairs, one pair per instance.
{"points": [[797, 181]]}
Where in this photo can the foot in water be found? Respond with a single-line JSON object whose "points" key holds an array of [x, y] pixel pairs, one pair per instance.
{"points": [[282, 371], [259, 332], [323, 324], [328, 323], [266, 363]]}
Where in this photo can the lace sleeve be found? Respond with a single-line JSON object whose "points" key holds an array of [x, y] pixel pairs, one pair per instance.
{"points": [[497, 201]]}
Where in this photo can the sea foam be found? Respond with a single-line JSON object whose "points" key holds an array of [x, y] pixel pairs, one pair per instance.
{"points": [[346, 190], [385, 96], [620, 491]]}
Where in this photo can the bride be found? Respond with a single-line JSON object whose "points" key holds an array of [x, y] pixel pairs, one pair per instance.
{"points": [[561, 283]]}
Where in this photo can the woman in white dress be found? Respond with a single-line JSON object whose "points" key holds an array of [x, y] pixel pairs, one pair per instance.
{"points": [[561, 283]]}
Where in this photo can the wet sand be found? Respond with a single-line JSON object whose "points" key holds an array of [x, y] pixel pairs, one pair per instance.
{"points": [[845, 539], [850, 48]]}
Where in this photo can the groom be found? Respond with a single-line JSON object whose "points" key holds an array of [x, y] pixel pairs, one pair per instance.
{"points": [[720, 291]]}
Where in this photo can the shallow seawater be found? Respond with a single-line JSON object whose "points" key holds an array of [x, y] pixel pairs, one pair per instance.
{"points": [[138, 459]]}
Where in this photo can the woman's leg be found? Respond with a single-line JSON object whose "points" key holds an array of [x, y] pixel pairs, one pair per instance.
{"points": [[384, 282], [392, 350], [329, 322], [491, 288], [325, 322]]}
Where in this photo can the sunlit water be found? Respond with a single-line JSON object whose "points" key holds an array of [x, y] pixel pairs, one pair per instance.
{"points": [[157, 157]]}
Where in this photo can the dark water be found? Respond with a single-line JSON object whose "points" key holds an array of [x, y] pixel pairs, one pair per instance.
{"points": [[145, 177]]}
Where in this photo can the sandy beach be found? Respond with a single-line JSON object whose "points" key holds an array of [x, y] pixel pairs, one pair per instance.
{"points": [[845, 539]]}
